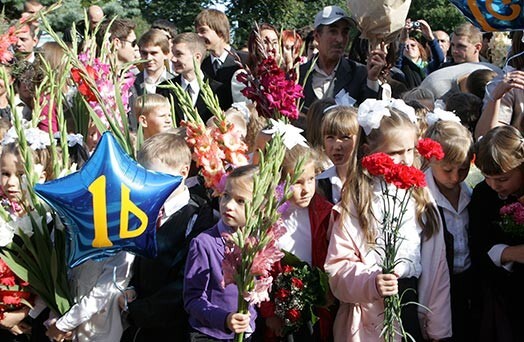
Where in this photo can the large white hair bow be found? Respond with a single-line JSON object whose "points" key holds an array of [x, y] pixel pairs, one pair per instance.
{"points": [[371, 112], [439, 114]]}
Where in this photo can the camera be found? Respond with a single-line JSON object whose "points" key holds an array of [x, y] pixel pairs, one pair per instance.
{"points": [[415, 24]]}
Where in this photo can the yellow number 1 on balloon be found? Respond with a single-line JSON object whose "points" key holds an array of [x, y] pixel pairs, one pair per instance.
{"points": [[101, 239]]}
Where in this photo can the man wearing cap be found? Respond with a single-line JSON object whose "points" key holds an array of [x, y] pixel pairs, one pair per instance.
{"points": [[333, 75]]}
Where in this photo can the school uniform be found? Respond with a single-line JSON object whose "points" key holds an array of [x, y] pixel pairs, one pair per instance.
{"points": [[353, 267], [456, 225], [207, 301], [307, 237], [158, 309], [502, 299]]}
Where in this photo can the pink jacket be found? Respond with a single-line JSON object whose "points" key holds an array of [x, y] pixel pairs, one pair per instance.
{"points": [[353, 269]]}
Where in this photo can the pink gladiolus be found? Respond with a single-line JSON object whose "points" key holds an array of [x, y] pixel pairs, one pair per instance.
{"points": [[260, 292]]}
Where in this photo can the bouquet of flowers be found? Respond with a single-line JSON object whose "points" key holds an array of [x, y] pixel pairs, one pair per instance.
{"points": [[273, 90], [513, 219], [499, 46], [297, 289], [29, 246], [13, 291], [395, 201], [215, 148]]}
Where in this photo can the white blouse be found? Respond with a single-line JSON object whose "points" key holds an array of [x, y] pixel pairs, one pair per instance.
{"points": [[297, 239]]}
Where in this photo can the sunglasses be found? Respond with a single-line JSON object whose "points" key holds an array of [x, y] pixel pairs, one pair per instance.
{"points": [[133, 43]]}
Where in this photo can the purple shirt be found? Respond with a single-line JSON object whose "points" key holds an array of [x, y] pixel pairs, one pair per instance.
{"points": [[206, 300]]}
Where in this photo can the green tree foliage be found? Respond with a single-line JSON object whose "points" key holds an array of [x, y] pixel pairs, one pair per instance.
{"points": [[181, 12], [440, 14], [287, 14]]}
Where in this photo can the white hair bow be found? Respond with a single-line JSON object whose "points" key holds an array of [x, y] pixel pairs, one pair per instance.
{"points": [[439, 114], [371, 112], [35, 137]]}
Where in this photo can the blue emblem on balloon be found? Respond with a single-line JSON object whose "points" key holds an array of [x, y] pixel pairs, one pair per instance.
{"points": [[493, 15], [111, 204]]}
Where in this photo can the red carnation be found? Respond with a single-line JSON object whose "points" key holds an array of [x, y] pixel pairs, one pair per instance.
{"points": [[429, 148], [405, 177], [287, 269], [378, 164], [282, 294], [297, 283], [293, 315]]}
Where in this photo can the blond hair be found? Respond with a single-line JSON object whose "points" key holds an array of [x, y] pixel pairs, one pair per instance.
{"points": [[455, 139], [296, 154], [469, 31], [168, 148], [500, 150], [146, 103], [155, 37], [340, 120], [358, 189], [194, 42]]}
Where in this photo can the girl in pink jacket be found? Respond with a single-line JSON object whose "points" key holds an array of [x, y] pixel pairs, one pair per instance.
{"points": [[353, 257]]}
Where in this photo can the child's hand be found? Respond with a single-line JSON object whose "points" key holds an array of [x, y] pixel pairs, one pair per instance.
{"points": [[12, 319], [387, 284], [56, 334], [237, 322], [130, 294]]}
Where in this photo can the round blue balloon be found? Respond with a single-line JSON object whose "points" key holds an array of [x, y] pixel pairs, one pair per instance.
{"points": [[111, 204], [493, 15]]}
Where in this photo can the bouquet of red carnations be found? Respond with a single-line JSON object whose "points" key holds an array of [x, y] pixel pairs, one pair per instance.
{"points": [[13, 291], [297, 289]]}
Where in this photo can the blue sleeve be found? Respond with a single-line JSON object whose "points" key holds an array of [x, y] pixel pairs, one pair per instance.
{"points": [[437, 56], [196, 286], [399, 61]]}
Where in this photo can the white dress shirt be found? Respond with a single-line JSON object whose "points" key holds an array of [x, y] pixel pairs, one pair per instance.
{"points": [[457, 222]]}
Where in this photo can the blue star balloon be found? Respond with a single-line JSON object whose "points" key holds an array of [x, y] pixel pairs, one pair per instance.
{"points": [[493, 15], [111, 204]]}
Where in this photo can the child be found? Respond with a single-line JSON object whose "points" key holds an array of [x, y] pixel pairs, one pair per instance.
{"points": [[339, 132], [212, 308], [445, 179], [306, 221], [496, 253], [352, 258], [155, 306], [153, 113], [16, 322]]}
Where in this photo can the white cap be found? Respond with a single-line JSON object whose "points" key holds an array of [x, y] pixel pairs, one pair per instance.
{"points": [[330, 15]]}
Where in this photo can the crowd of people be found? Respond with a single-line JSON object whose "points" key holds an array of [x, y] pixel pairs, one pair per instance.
{"points": [[455, 253]]}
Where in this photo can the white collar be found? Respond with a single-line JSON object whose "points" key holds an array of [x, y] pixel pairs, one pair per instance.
{"points": [[441, 200], [329, 173], [176, 202], [162, 77], [194, 84], [221, 58], [316, 68]]}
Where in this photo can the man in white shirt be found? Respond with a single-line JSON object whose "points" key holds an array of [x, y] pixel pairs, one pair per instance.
{"points": [[26, 43], [213, 26], [333, 75], [154, 48], [189, 49]]}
